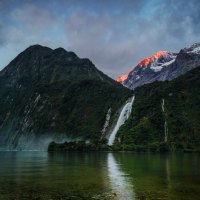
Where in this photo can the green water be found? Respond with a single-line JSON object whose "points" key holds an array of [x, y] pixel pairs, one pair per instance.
{"points": [[121, 176]]}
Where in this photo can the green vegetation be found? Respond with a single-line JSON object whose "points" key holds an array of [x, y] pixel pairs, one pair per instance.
{"points": [[47, 93], [101, 145], [145, 127], [145, 131], [80, 146], [53, 93], [89, 102]]}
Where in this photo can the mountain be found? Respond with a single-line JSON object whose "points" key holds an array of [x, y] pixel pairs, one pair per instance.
{"points": [[53, 95], [165, 115], [162, 66]]}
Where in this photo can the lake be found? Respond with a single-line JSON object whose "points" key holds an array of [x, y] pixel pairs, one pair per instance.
{"points": [[99, 175]]}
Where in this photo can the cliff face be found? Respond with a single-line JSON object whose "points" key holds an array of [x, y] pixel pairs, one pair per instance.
{"points": [[53, 95]]}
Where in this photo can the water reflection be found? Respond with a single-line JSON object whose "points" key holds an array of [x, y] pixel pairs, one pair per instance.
{"points": [[99, 176], [119, 181]]}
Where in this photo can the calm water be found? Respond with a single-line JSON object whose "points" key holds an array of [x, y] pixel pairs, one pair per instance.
{"points": [[120, 176]]}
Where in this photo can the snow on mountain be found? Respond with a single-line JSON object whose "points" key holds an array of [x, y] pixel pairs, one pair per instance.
{"points": [[156, 66], [147, 68], [195, 48], [162, 66]]}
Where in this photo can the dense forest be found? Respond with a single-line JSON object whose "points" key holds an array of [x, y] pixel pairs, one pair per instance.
{"points": [[171, 108]]}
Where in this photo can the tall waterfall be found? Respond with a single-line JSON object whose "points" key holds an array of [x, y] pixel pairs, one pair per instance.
{"points": [[165, 124], [124, 115]]}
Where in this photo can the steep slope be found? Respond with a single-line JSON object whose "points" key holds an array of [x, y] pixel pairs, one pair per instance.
{"points": [[162, 66], [53, 95], [165, 113]]}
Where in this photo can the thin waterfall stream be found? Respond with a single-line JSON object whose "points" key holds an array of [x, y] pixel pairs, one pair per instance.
{"points": [[165, 124]]}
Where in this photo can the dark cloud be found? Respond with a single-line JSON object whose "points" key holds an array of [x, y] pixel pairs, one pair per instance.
{"points": [[34, 18], [114, 34], [6, 5]]}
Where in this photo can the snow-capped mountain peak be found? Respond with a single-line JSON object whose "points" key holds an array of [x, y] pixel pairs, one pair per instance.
{"points": [[159, 60], [153, 58], [155, 63], [162, 66], [195, 48], [122, 78]]}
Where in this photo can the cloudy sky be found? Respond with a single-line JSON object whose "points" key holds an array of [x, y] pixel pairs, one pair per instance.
{"points": [[114, 34]]}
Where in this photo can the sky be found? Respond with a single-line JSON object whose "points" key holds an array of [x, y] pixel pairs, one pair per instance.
{"points": [[114, 34]]}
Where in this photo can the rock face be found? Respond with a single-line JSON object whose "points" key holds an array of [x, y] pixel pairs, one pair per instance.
{"points": [[53, 95], [162, 66]]}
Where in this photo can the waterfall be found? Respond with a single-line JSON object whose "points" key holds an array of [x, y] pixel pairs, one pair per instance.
{"points": [[124, 115], [163, 105], [107, 121], [165, 124], [166, 131]]}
